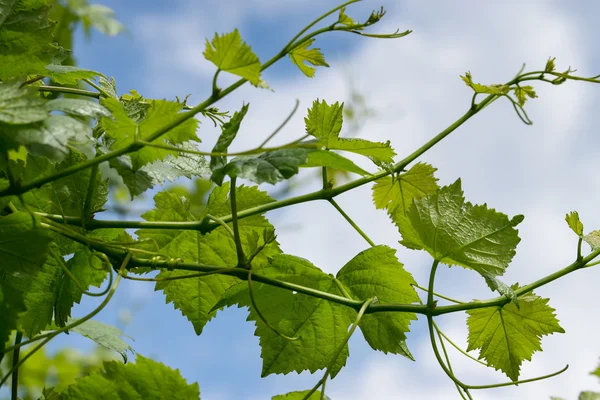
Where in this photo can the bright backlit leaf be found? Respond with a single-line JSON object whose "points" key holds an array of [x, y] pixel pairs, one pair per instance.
{"points": [[574, 223], [498, 89], [230, 53], [196, 297], [70, 74], [302, 56], [146, 379], [508, 335], [459, 233], [397, 194], [376, 272], [329, 159], [319, 325], [524, 92], [324, 122], [125, 131]]}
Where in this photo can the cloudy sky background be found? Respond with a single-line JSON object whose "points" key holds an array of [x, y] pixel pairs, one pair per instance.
{"points": [[413, 84]]}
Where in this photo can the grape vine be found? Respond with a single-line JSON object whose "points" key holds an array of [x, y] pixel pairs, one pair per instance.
{"points": [[67, 139]]}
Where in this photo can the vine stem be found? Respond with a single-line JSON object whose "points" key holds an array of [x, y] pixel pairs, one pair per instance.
{"points": [[236, 232], [60, 89], [355, 304], [438, 295], [352, 223], [14, 389]]}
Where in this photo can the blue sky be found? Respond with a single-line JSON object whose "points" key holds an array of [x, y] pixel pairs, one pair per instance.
{"points": [[413, 83]]}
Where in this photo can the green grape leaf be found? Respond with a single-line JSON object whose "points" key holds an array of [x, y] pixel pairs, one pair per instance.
{"points": [[378, 151], [593, 239], [99, 17], [324, 122], [125, 131], [88, 271], [146, 379], [302, 56], [329, 159], [376, 272], [301, 396], [502, 288], [397, 194], [17, 229], [105, 335], [587, 395], [48, 138], [229, 131], [459, 233], [65, 196], [70, 74], [320, 325], [78, 107], [507, 335], [271, 167], [25, 38], [523, 92], [196, 297], [160, 171], [498, 89], [596, 372], [39, 293], [11, 305], [20, 105], [231, 54], [574, 223]]}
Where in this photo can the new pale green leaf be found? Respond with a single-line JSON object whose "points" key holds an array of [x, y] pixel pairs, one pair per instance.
{"points": [[459, 233], [574, 223], [497, 89], [324, 122], [508, 335], [397, 194], [593, 239], [230, 53], [302, 56], [329, 159]]}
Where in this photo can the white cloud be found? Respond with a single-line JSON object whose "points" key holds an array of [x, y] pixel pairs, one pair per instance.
{"points": [[414, 85]]}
